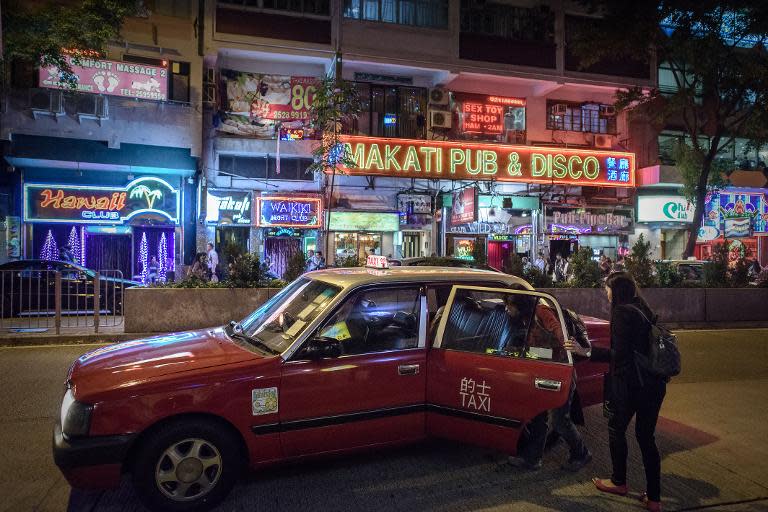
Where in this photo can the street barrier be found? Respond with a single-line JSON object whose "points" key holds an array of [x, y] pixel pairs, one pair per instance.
{"points": [[36, 300]]}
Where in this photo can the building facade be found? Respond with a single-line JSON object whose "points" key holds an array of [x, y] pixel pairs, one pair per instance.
{"points": [[479, 127], [106, 173]]}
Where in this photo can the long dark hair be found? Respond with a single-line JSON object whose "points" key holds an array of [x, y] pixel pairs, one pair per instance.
{"points": [[623, 289]]}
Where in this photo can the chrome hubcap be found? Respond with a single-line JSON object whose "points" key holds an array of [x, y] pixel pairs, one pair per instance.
{"points": [[189, 469]]}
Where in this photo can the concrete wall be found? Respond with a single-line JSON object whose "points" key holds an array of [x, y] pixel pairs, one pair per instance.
{"points": [[180, 309], [678, 305]]}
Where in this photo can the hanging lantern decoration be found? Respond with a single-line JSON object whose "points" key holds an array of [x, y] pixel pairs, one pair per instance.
{"points": [[144, 258], [50, 251], [162, 257]]}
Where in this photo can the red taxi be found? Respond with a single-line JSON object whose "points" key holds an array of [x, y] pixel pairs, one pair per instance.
{"points": [[339, 360]]}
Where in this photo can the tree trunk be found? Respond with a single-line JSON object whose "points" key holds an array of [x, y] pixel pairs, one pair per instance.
{"points": [[698, 212]]}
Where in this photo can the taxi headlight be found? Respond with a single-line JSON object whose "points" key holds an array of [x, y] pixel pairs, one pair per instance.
{"points": [[75, 416]]}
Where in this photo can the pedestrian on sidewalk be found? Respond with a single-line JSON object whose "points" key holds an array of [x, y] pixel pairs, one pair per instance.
{"points": [[630, 391]]}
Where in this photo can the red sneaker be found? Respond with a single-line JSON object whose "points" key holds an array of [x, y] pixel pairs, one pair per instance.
{"points": [[606, 485], [653, 506]]}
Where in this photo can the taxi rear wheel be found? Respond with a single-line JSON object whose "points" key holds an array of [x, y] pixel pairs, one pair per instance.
{"points": [[186, 466]]}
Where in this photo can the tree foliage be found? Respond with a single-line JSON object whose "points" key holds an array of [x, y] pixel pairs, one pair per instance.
{"points": [[586, 271], [714, 51], [336, 104], [639, 263], [48, 32], [296, 266]]}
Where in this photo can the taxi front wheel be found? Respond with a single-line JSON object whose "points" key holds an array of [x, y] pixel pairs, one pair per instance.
{"points": [[186, 466]]}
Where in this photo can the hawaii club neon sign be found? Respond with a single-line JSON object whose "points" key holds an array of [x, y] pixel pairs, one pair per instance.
{"points": [[462, 160], [297, 212], [101, 205]]}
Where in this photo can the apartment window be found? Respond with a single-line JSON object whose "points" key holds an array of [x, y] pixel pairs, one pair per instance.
{"points": [[670, 76], [314, 7], [418, 13], [580, 117], [175, 8], [265, 167], [508, 22], [390, 111]]}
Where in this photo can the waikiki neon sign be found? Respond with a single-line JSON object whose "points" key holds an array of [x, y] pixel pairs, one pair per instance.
{"points": [[101, 205]]}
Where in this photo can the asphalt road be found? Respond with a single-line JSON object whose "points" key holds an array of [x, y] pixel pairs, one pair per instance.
{"points": [[712, 434]]}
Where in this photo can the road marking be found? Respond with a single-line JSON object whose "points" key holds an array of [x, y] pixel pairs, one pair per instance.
{"points": [[53, 345]]}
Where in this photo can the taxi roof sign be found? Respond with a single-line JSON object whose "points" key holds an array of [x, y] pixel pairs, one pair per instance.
{"points": [[376, 261]]}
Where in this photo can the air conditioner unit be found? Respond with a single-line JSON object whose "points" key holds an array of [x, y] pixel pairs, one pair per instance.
{"points": [[440, 119], [438, 96], [91, 106], [607, 111], [46, 102], [603, 141], [559, 109]]}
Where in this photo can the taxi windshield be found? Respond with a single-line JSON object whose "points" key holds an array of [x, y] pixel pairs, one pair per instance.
{"points": [[278, 322]]}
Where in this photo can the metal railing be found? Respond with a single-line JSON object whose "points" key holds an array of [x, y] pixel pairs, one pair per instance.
{"points": [[34, 300]]}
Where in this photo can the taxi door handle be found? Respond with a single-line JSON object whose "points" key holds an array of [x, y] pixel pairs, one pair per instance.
{"points": [[547, 384], [408, 369]]}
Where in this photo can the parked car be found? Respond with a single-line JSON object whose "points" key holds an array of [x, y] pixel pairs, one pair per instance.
{"points": [[28, 288], [340, 360], [691, 271]]}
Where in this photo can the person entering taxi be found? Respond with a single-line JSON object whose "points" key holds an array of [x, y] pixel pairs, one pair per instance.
{"points": [[545, 334]]}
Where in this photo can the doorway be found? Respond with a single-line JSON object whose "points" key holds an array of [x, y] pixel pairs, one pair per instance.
{"points": [[280, 250], [411, 244]]}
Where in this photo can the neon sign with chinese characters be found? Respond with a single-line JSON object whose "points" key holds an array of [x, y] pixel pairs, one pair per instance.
{"points": [[476, 161], [146, 196], [297, 212]]}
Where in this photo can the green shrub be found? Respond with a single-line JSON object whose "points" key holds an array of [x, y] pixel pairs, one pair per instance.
{"points": [[668, 276], [586, 271], [640, 265], [514, 265], [716, 270], [739, 273], [478, 254], [762, 279], [296, 266], [537, 278], [348, 261], [246, 272]]}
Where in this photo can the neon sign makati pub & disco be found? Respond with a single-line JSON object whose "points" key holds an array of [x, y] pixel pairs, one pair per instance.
{"points": [[101, 205], [478, 161]]}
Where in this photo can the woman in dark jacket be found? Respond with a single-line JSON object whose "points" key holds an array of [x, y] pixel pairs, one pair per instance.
{"points": [[632, 391]]}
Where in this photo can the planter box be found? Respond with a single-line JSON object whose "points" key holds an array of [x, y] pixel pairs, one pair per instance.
{"points": [[181, 309], [677, 305]]}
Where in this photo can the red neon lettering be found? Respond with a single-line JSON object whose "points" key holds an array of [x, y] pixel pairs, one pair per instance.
{"points": [[115, 202]]}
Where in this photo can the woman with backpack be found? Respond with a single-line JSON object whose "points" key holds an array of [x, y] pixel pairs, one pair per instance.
{"points": [[631, 390]]}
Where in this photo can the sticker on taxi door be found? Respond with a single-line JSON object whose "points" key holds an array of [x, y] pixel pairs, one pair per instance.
{"points": [[474, 395], [264, 401]]}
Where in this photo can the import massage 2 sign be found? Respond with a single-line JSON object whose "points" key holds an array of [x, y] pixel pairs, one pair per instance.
{"points": [[114, 78], [477, 161]]}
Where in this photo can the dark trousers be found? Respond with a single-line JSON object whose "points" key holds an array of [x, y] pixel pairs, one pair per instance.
{"points": [[562, 424], [645, 404]]}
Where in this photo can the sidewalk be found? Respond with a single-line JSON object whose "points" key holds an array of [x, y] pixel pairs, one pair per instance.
{"points": [[20, 333]]}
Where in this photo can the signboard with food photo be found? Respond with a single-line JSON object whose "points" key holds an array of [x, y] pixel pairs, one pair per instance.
{"points": [[254, 104]]}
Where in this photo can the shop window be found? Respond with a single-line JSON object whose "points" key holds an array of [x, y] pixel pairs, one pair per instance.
{"points": [[579, 117], [356, 245], [265, 167], [418, 13], [376, 321], [390, 111], [23, 74]]}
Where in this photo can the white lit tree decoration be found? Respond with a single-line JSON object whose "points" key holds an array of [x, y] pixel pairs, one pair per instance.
{"points": [[162, 256], [74, 245], [50, 251], [144, 258]]}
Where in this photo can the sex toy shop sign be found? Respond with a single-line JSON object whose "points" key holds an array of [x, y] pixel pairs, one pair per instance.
{"points": [[472, 161], [296, 212], [148, 197], [112, 78]]}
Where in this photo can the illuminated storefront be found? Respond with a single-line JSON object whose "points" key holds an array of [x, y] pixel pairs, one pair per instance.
{"points": [[360, 234], [289, 224], [230, 211]]}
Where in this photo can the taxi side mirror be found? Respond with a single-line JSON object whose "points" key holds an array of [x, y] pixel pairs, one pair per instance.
{"points": [[321, 347]]}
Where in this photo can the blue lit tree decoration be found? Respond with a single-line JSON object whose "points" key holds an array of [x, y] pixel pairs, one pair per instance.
{"points": [[74, 244], [50, 250], [162, 257], [144, 258]]}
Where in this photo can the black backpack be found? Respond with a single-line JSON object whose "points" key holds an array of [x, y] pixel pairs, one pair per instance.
{"points": [[663, 359]]}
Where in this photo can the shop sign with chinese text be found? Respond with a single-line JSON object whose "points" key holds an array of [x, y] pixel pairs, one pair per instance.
{"points": [[254, 104], [146, 197], [666, 208], [228, 207], [99, 76], [479, 161], [296, 212]]}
